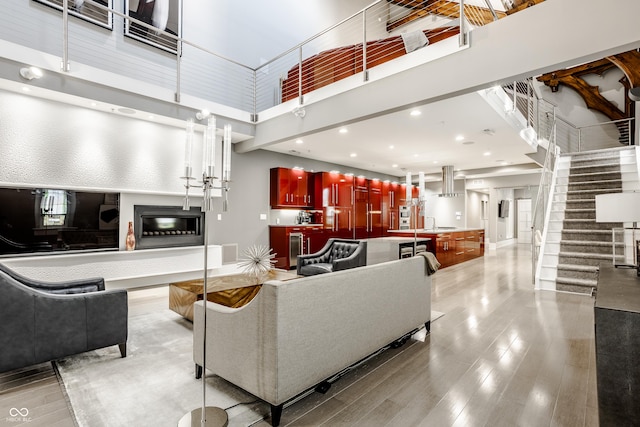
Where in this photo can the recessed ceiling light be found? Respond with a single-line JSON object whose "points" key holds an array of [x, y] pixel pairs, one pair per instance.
{"points": [[487, 153], [394, 165], [93, 104], [505, 163], [415, 113], [416, 155], [25, 89], [124, 110], [459, 137], [299, 141], [391, 147], [151, 117], [353, 155], [435, 161], [343, 130]]}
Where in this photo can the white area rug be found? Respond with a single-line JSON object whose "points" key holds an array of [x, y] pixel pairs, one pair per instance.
{"points": [[155, 384]]}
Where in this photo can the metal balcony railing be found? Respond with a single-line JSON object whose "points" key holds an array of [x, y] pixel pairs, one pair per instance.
{"points": [[370, 37]]}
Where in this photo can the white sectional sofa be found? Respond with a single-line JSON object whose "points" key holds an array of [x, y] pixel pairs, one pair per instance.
{"points": [[295, 334]]}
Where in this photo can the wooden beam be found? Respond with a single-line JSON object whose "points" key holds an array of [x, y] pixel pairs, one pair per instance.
{"points": [[476, 15], [522, 5], [593, 98], [411, 4], [629, 63]]}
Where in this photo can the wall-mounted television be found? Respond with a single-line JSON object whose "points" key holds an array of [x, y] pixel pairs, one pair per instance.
{"points": [[503, 209], [57, 220]]}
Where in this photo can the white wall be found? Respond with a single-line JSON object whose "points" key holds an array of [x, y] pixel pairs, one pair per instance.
{"points": [[53, 145], [445, 209]]}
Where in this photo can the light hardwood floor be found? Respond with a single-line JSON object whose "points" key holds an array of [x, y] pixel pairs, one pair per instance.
{"points": [[502, 355]]}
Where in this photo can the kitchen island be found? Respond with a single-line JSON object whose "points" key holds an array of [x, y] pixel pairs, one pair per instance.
{"points": [[383, 249], [450, 245]]}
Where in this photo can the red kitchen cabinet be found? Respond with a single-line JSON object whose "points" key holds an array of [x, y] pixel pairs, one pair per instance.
{"points": [[390, 201], [367, 208], [291, 188], [308, 239], [333, 189]]}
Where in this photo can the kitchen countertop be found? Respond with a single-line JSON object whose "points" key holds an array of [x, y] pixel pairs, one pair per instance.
{"points": [[296, 225], [394, 239], [435, 231]]}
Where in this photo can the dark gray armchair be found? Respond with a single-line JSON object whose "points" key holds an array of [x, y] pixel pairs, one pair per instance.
{"points": [[44, 321], [337, 254]]}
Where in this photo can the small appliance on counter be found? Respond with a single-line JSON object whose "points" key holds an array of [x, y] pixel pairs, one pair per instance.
{"points": [[316, 217], [303, 217]]}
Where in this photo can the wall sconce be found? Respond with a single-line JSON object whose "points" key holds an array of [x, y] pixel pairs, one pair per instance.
{"points": [[299, 111], [30, 73], [202, 114]]}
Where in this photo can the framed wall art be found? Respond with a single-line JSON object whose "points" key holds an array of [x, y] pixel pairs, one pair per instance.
{"points": [[166, 15], [86, 11]]}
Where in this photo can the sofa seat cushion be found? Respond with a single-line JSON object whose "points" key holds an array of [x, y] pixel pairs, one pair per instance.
{"points": [[316, 268]]}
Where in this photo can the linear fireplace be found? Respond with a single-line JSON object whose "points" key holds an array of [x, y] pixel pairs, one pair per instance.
{"points": [[167, 226]]}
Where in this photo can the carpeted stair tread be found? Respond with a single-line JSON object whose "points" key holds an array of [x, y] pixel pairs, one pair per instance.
{"points": [[589, 243], [598, 176], [606, 257], [583, 231], [579, 289], [593, 191], [606, 183], [580, 282], [577, 267]]}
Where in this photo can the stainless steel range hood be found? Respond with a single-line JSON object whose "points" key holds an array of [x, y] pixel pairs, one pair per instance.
{"points": [[447, 182]]}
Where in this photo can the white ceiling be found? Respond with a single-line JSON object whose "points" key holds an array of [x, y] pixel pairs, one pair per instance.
{"points": [[398, 143]]}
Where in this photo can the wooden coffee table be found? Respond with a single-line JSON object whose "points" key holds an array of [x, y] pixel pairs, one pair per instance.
{"points": [[234, 290]]}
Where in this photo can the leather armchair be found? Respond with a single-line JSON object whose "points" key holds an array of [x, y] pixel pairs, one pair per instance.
{"points": [[68, 287], [49, 321], [337, 254]]}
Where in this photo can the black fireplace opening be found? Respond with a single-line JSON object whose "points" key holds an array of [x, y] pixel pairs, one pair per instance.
{"points": [[167, 226]]}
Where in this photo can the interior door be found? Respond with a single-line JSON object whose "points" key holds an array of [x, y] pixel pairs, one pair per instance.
{"points": [[524, 220]]}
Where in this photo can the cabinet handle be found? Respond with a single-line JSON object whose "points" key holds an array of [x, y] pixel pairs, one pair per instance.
{"points": [[308, 245], [349, 225]]}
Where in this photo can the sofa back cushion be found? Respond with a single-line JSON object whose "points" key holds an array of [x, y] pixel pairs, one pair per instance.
{"points": [[342, 250]]}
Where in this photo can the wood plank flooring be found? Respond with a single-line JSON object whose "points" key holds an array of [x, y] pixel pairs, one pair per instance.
{"points": [[502, 355]]}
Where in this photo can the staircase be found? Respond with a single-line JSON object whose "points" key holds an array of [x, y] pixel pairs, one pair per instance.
{"points": [[575, 244]]}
